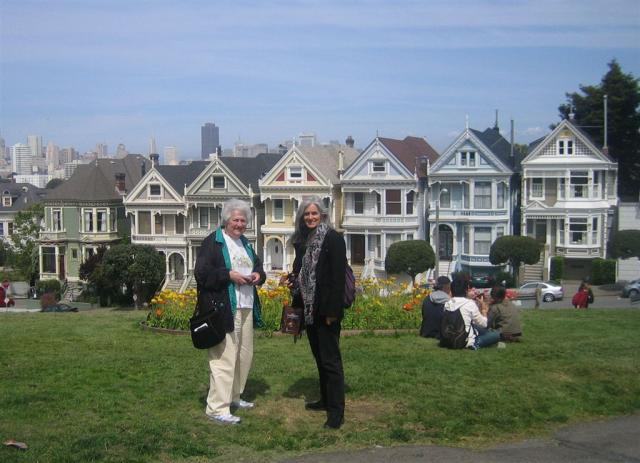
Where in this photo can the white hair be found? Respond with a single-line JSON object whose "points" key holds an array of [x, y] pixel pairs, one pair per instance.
{"points": [[238, 205]]}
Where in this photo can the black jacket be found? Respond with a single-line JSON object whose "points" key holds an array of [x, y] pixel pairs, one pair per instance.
{"points": [[212, 276], [329, 295]]}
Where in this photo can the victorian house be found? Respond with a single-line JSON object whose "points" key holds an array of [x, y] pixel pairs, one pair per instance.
{"points": [[384, 199], [86, 212], [174, 208], [473, 189], [568, 198], [15, 198], [302, 172]]}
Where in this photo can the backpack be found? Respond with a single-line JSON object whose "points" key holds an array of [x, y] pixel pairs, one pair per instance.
{"points": [[349, 287], [453, 333]]}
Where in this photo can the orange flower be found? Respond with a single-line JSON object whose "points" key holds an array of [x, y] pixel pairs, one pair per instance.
{"points": [[159, 312], [408, 307]]}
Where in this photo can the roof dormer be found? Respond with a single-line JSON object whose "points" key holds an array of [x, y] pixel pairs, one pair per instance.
{"points": [[7, 200]]}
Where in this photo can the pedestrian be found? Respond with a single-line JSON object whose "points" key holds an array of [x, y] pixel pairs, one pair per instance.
{"points": [[318, 287], [227, 269], [433, 308]]}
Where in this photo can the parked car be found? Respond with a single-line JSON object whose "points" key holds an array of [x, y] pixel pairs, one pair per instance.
{"points": [[632, 289], [551, 290], [482, 280]]}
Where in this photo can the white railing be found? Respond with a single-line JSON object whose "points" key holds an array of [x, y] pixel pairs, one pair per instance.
{"points": [[579, 251], [179, 239], [390, 220]]}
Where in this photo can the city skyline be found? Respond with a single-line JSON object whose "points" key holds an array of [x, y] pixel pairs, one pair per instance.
{"points": [[270, 72]]}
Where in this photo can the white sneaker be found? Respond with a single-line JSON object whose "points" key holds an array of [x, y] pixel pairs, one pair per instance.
{"points": [[243, 404], [225, 419]]}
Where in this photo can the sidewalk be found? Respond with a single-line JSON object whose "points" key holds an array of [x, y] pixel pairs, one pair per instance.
{"points": [[613, 440]]}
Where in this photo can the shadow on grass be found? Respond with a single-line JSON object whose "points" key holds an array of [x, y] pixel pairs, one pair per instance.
{"points": [[304, 387], [255, 387]]}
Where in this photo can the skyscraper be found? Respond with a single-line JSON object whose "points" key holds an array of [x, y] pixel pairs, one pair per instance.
{"points": [[21, 159], [210, 136], [53, 157], [121, 151], [35, 142], [102, 150], [171, 155], [152, 146]]}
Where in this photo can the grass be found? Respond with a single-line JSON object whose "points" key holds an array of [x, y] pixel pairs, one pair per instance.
{"points": [[93, 386]]}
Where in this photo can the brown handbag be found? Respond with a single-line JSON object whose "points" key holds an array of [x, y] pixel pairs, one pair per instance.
{"points": [[292, 321]]}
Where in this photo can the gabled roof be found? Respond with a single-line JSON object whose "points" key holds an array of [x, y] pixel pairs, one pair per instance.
{"points": [[181, 175], [96, 181], [498, 145], [22, 195], [250, 170], [409, 149], [325, 158]]}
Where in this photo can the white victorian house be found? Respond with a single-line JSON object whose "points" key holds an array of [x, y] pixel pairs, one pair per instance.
{"points": [[383, 196], [302, 172], [472, 192], [568, 198]]}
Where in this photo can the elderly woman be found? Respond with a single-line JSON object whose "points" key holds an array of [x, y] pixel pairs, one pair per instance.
{"points": [[228, 270], [318, 281]]}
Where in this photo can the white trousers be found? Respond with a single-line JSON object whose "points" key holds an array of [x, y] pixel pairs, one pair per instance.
{"points": [[229, 364]]}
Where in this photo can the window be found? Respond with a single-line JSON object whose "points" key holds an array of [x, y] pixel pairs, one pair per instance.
{"points": [[101, 217], [74, 253], [56, 216], [482, 195], [204, 217], [562, 188], [378, 167], [409, 236], [1, 228], [463, 158], [179, 224], [465, 194], [597, 194], [392, 238], [214, 217], [565, 146], [579, 184], [49, 260], [88, 220], [159, 224], [445, 198], [393, 201], [499, 232], [378, 203], [410, 198], [295, 173], [278, 210], [144, 223], [594, 230], [6, 201], [561, 232], [501, 187], [482, 240], [218, 182], [537, 190], [466, 240], [358, 203], [155, 189], [472, 159], [578, 231]]}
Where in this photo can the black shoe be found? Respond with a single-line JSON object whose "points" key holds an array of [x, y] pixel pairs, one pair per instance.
{"points": [[315, 406], [334, 423]]}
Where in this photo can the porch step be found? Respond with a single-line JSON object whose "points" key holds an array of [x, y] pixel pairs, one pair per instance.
{"points": [[173, 285], [533, 272]]}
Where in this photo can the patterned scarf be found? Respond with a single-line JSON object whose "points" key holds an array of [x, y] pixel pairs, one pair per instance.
{"points": [[307, 276]]}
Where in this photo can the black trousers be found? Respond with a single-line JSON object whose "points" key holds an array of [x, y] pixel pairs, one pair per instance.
{"points": [[325, 344]]}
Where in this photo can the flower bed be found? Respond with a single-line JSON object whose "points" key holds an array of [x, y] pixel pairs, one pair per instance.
{"points": [[381, 304]]}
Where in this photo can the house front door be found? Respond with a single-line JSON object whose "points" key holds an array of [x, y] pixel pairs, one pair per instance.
{"points": [[61, 270], [445, 243], [357, 249]]}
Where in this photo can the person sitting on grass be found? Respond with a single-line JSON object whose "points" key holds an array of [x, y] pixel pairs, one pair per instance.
{"points": [[433, 307], [504, 316], [474, 314]]}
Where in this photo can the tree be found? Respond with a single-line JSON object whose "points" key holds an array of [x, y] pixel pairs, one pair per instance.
{"points": [[625, 244], [514, 250], [89, 265], [623, 122], [24, 240], [411, 257], [138, 269], [53, 183]]}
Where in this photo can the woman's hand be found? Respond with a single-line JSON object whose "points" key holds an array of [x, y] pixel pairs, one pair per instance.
{"points": [[254, 278], [239, 278]]}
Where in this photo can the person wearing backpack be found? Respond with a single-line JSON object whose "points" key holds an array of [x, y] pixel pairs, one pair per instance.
{"points": [[433, 308], [319, 275], [462, 309]]}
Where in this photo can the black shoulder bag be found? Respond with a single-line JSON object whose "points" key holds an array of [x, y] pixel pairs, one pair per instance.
{"points": [[207, 329]]}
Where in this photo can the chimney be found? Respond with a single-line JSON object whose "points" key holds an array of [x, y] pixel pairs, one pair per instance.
{"points": [[120, 184], [350, 141]]}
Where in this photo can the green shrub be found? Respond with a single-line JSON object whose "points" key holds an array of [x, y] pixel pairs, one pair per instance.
{"points": [[603, 271], [507, 278], [557, 268], [49, 286]]}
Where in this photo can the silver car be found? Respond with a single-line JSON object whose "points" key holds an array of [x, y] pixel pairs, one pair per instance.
{"points": [[551, 290], [632, 289]]}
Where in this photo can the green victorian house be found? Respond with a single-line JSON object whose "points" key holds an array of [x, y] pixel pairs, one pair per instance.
{"points": [[86, 212]]}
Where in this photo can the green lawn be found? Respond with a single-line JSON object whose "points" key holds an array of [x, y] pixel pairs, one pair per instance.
{"points": [[93, 386]]}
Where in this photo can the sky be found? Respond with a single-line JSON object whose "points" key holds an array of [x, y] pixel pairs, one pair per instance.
{"points": [[82, 72]]}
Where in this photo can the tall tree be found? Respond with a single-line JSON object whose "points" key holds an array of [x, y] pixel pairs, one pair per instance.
{"points": [[623, 122], [24, 240]]}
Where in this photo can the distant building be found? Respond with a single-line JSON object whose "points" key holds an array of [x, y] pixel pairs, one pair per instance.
{"points": [[240, 150], [35, 143], [21, 159], [307, 139], [68, 155], [121, 151], [102, 150], [210, 137], [70, 167], [171, 155], [39, 180], [52, 156]]}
